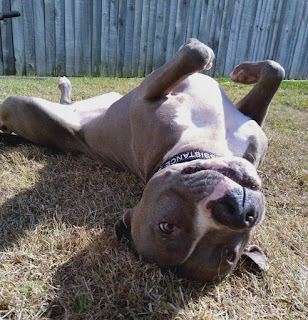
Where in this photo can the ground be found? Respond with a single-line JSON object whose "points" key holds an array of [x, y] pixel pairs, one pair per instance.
{"points": [[59, 258]]}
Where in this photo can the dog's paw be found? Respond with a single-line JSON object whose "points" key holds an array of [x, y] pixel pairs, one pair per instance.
{"points": [[63, 81], [244, 73], [199, 54]]}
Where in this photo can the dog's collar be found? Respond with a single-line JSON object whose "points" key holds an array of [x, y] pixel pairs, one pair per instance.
{"points": [[187, 156]]}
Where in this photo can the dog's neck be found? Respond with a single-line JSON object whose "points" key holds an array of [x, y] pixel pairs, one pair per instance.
{"points": [[187, 156]]}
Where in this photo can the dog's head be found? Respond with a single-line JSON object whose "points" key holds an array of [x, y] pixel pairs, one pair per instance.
{"points": [[198, 218]]}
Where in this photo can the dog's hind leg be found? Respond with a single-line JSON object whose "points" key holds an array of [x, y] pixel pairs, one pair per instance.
{"points": [[192, 57], [65, 87], [268, 75]]}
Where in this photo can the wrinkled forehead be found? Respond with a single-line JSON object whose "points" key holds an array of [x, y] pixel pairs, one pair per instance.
{"points": [[206, 261]]}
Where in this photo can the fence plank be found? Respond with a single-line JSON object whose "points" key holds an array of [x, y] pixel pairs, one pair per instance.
{"points": [[96, 37], [69, 32], [86, 36], [113, 37], [221, 55], [217, 31], [298, 68], [78, 38], [39, 37], [50, 37], [60, 36], [121, 38], [143, 38], [245, 31], [104, 38], [171, 29], [150, 40], [191, 15], [129, 35], [159, 35], [1, 56], [18, 39], [29, 37], [233, 37], [180, 25], [136, 37], [7, 41]]}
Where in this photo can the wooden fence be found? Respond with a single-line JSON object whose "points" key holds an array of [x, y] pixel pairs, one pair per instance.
{"points": [[130, 38]]}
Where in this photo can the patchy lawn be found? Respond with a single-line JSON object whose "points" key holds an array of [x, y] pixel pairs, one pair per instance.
{"points": [[59, 258]]}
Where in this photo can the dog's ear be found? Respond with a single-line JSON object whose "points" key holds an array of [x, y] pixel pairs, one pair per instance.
{"points": [[256, 256], [122, 227]]}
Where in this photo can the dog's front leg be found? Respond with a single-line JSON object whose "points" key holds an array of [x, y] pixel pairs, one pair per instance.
{"points": [[65, 87], [268, 75], [192, 57]]}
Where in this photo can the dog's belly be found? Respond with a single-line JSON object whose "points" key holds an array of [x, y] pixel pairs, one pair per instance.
{"points": [[95, 107], [209, 120]]}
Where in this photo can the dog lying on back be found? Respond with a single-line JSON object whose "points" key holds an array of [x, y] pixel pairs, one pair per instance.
{"points": [[195, 150]]}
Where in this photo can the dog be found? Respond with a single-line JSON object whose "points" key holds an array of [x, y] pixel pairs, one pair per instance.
{"points": [[197, 153]]}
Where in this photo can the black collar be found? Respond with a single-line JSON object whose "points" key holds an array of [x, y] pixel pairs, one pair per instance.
{"points": [[187, 156]]}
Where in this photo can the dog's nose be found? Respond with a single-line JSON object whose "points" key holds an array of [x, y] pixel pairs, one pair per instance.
{"points": [[237, 209]]}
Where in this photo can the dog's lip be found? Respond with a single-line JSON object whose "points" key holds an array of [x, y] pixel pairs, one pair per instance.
{"points": [[244, 180]]}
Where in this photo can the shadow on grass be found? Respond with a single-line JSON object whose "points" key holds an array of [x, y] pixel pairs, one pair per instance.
{"points": [[101, 279]]}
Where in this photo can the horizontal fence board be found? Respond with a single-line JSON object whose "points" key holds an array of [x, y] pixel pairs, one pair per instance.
{"points": [[131, 38]]}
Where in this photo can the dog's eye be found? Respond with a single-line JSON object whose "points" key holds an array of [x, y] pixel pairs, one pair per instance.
{"points": [[229, 255], [166, 227]]}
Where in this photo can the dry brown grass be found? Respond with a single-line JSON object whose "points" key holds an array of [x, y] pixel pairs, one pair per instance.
{"points": [[60, 259]]}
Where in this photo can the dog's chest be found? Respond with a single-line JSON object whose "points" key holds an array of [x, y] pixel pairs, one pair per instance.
{"points": [[215, 126]]}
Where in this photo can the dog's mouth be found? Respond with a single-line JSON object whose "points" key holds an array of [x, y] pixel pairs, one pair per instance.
{"points": [[234, 170]]}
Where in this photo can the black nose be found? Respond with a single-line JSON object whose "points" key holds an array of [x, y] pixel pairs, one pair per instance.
{"points": [[238, 209]]}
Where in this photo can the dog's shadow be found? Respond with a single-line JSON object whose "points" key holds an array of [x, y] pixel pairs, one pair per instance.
{"points": [[101, 279]]}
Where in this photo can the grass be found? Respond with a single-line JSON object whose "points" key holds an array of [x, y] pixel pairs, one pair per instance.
{"points": [[59, 258]]}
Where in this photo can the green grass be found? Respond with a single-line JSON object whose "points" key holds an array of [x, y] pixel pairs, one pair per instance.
{"points": [[59, 258]]}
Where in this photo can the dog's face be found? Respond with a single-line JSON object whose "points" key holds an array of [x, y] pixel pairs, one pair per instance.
{"points": [[197, 217]]}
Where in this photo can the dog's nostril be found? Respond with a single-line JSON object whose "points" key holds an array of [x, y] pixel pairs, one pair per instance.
{"points": [[250, 217]]}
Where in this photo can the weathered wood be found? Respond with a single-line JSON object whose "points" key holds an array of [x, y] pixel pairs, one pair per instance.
{"points": [[50, 37], [171, 28], [120, 38], [113, 37], [7, 41], [136, 37], [18, 39], [83, 27], [143, 38], [180, 25], [221, 55], [191, 15], [298, 67], [86, 36], [1, 57], [60, 36], [96, 37], [69, 38], [150, 40], [39, 36], [104, 38], [233, 38], [159, 34], [29, 37], [129, 38]]}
